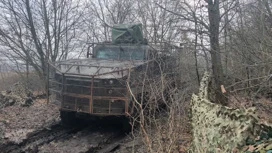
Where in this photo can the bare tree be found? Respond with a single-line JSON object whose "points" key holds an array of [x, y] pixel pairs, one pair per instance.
{"points": [[250, 55], [38, 31], [217, 68], [107, 13]]}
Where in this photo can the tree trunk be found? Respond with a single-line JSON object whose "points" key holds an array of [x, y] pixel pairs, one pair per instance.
{"points": [[217, 68]]}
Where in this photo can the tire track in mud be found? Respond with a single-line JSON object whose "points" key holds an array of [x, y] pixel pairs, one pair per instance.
{"points": [[38, 138], [89, 140], [112, 144], [57, 138]]}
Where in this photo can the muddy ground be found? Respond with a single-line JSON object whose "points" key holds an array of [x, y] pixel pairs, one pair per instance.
{"points": [[16, 122], [37, 128]]}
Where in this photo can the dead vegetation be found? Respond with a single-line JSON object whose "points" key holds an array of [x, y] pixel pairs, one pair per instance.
{"points": [[162, 120], [22, 111], [244, 45], [262, 106], [17, 121]]}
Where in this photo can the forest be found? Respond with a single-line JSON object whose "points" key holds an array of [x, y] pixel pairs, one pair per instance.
{"points": [[226, 40]]}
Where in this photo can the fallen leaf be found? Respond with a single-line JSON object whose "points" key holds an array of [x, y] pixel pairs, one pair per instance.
{"points": [[251, 148]]}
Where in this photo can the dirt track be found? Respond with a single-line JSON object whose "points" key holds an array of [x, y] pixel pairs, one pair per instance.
{"points": [[59, 139], [38, 129]]}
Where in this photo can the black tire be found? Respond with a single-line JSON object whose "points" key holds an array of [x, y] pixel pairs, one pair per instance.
{"points": [[68, 118], [126, 126]]}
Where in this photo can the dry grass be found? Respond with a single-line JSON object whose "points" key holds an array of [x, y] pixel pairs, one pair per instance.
{"points": [[172, 135], [263, 106], [7, 79], [164, 121]]}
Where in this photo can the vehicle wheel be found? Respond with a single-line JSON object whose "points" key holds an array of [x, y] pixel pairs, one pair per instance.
{"points": [[68, 118], [126, 126]]}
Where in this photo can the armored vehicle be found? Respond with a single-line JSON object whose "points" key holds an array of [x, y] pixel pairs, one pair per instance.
{"points": [[102, 84]]}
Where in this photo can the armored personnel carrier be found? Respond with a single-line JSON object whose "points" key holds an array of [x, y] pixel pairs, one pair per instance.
{"points": [[102, 83]]}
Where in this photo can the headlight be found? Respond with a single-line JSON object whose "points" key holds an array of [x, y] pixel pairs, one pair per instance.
{"points": [[110, 91], [111, 82], [108, 82]]}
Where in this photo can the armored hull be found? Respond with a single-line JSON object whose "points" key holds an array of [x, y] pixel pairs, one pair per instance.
{"points": [[94, 86]]}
